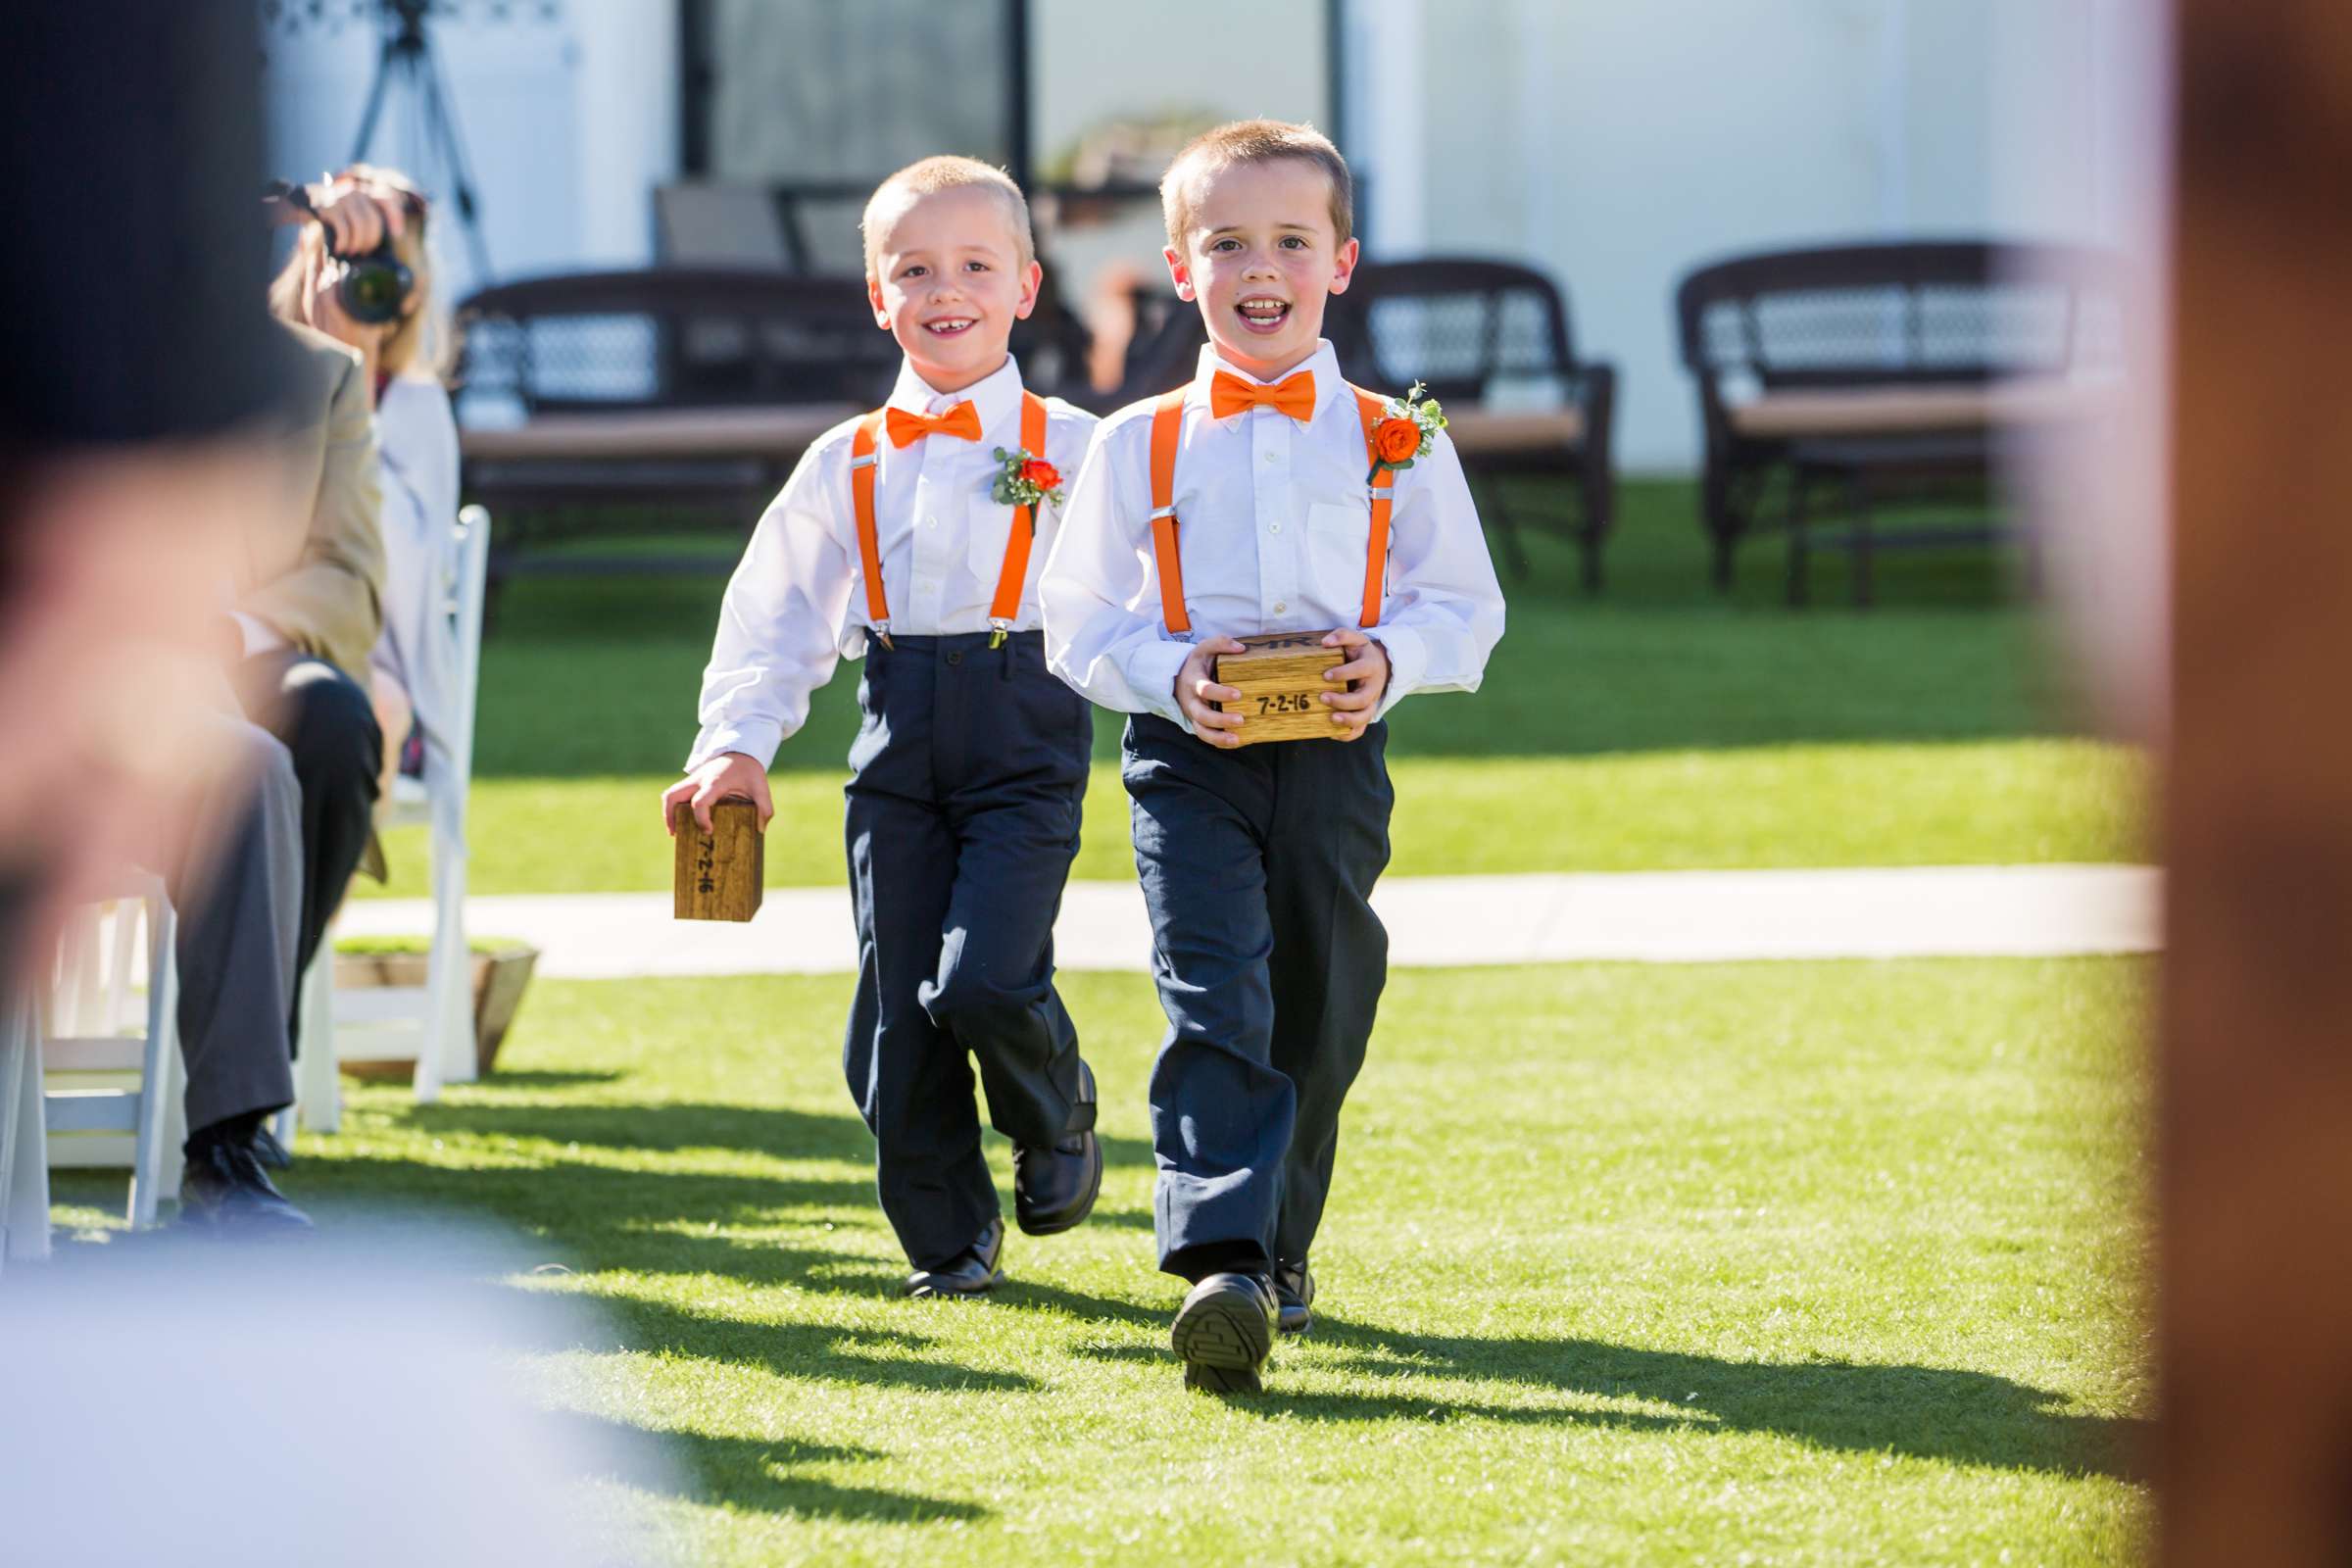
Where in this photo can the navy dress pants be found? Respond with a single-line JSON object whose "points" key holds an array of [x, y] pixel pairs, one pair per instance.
{"points": [[967, 781], [1257, 866]]}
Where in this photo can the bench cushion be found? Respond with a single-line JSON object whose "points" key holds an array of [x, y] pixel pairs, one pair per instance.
{"points": [[714, 432], [1493, 432], [1904, 410]]}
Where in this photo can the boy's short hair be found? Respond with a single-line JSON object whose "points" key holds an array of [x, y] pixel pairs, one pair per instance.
{"points": [[1255, 141], [929, 177]]}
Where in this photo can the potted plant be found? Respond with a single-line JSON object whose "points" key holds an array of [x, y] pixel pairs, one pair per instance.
{"points": [[502, 968]]}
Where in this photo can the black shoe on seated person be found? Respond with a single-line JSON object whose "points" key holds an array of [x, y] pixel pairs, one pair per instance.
{"points": [[1224, 1332], [1294, 1293], [272, 1154], [970, 1272], [224, 1189], [1055, 1186]]}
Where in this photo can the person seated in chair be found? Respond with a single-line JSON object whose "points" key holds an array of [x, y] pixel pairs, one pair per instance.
{"points": [[411, 669]]}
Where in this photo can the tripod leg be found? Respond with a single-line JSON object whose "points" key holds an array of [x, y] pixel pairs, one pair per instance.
{"points": [[375, 101], [443, 121]]}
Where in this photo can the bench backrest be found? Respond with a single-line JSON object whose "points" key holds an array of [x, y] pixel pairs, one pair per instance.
{"points": [[674, 337], [1461, 324], [703, 336], [1908, 313]]}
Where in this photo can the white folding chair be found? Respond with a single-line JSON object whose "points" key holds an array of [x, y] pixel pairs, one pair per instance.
{"points": [[431, 1024], [101, 1063], [24, 1154]]}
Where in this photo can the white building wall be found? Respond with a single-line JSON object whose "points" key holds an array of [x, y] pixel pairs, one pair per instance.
{"points": [[1617, 146]]}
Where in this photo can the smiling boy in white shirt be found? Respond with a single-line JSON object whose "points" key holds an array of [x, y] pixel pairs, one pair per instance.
{"points": [[912, 537], [1244, 502]]}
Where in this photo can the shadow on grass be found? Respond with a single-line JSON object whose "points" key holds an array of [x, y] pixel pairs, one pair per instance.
{"points": [[1939, 1414], [672, 1127], [750, 1472]]}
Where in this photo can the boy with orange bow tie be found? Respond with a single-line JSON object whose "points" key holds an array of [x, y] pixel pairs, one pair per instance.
{"points": [[1265, 496], [912, 537]]}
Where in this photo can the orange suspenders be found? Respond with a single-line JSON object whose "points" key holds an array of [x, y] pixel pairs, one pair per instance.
{"points": [[865, 456], [1167, 427]]}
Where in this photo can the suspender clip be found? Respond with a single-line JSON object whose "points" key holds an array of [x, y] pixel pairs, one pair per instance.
{"points": [[1158, 513], [999, 628], [866, 462], [881, 631]]}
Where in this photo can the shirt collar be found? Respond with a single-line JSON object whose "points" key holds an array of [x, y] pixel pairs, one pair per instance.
{"points": [[995, 398], [1330, 385]]}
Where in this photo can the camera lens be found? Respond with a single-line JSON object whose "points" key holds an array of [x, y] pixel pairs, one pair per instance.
{"points": [[373, 289]]}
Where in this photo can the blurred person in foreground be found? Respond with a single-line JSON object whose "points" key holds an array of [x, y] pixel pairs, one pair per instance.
{"points": [[138, 382], [411, 668], [135, 378]]}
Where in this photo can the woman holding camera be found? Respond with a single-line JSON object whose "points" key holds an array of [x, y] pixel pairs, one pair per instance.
{"points": [[363, 274]]}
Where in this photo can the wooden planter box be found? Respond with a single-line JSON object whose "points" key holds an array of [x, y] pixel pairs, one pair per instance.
{"points": [[500, 975]]}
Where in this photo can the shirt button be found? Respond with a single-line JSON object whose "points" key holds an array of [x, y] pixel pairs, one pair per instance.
{"points": [[955, 658], [1273, 527], [930, 522], [1273, 456], [1280, 607]]}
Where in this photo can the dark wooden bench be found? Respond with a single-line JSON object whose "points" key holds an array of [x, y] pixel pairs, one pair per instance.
{"points": [[670, 401], [664, 402], [1884, 373], [1492, 342]]}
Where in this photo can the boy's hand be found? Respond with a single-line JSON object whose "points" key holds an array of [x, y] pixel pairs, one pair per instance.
{"points": [[1367, 674], [728, 775], [1196, 691]]}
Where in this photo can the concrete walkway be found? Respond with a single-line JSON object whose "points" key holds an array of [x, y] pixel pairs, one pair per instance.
{"points": [[1647, 917]]}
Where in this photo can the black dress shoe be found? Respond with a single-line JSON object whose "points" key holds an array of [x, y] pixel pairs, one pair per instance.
{"points": [[1055, 1186], [970, 1272], [224, 1189], [1224, 1332], [1294, 1293], [272, 1154]]}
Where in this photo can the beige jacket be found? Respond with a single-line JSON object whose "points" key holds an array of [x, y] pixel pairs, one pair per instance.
{"points": [[313, 569]]}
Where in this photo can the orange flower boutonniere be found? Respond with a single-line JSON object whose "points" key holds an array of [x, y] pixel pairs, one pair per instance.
{"points": [[1025, 480], [1408, 428]]}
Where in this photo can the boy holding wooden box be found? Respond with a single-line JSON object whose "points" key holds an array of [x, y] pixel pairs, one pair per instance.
{"points": [[911, 537], [1268, 499]]}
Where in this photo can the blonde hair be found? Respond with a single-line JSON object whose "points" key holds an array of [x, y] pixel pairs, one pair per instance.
{"points": [[928, 178], [1255, 141], [421, 337]]}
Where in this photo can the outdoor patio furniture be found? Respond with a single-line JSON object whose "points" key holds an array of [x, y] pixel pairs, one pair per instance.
{"points": [[653, 400], [595, 405], [1490, 340], [1886, 374]]}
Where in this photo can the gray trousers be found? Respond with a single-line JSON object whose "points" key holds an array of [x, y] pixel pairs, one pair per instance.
{"points": [[239, 896]]}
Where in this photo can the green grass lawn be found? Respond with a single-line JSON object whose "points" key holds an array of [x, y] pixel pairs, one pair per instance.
{"points": [[1821, 1263], [1655, 725]]}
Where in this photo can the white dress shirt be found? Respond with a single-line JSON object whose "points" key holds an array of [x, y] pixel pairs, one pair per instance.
{"points": [[1274, 522], [797, 602]]}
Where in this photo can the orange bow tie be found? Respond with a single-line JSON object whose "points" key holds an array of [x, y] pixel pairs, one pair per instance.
{"points": [[1229, 395], [961, 422]]}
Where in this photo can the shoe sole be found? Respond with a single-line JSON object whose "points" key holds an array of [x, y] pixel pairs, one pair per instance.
{"points": [[933, 1293], [1076, 1216], [1222, 1340]]}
